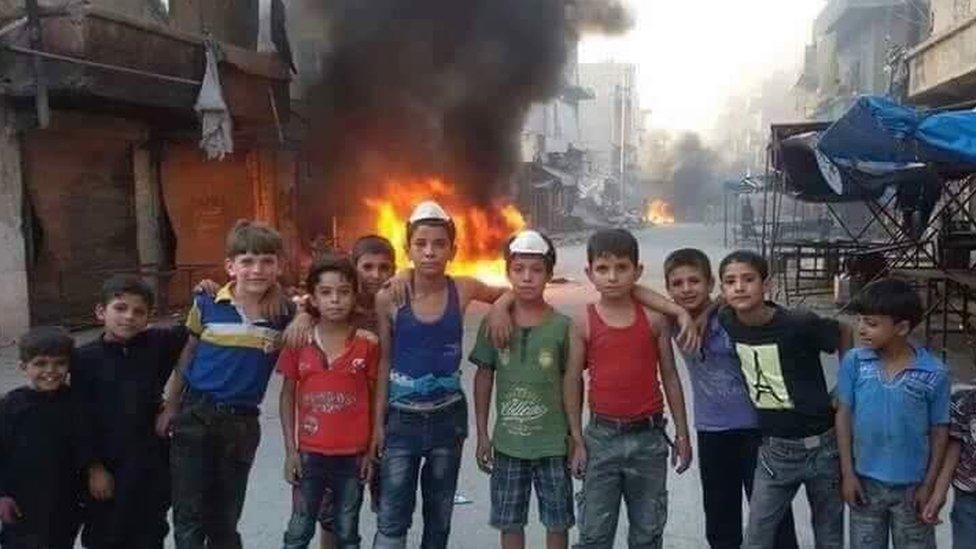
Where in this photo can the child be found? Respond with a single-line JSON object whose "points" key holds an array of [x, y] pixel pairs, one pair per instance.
{"points": [[728, 429], [892, 421], [225, 367], [529, 442], [39, 458], [625, 447], [375, 261], [779, 352], [118, 380], [421, 412], [327, 394], [958, 470]]}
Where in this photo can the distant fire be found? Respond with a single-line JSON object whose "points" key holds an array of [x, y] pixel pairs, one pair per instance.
{"points": [[659, 212], [481, 231]]}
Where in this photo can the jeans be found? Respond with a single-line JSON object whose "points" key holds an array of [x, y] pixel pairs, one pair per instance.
{"points": [[623, 464], [785, 464], [338, 474], [964, 520], [211, 456], [888, 512], [727, 464], [426, 446]]}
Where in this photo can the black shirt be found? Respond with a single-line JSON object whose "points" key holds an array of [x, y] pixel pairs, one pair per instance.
{"points": [[782, 369], [119, 389], [39, 467]]}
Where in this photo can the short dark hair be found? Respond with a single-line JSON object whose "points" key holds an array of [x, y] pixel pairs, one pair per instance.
{"points": [[117, 285], [446, 224], [549, 257], [748, 257], [331, 264], [617, 242], [889, 297], [687, 257], [252, 237], [372, 244], [45, 341]]}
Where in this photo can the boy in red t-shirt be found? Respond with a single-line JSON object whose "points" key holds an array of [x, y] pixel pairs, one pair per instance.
{"points": [[326, 408], [623, 453]]}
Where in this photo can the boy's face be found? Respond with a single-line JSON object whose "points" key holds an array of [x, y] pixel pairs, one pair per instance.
{"points": [[46, 373], [614, 276], [334, 297], [528, 276], [743, 287], [430, 248], [124, 316], [373, 270], [689, 287], [878, 331], [253, 273]]}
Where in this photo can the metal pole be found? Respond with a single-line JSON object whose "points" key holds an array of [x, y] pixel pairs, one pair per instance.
{"points": [[36, 42], [117, 68]]}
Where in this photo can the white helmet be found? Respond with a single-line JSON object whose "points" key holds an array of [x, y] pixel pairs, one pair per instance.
{"points": [[428, 209]]}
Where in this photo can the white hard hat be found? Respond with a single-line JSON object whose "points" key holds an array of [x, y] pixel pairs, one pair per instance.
{"points": [[428, 209], [529, 243]]}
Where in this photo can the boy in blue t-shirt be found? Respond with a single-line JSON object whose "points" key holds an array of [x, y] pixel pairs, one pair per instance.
{"points": [[892, 421]]}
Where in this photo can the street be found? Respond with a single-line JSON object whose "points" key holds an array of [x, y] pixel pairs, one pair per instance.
{"points": [[269, 501]]}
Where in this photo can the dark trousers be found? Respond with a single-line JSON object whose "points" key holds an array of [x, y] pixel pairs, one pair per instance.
{"points": [[211, 456], [135, 518], [727, 463]]}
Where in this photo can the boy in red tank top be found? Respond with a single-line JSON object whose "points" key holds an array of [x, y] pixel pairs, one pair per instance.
{"points": [[623, 452]]}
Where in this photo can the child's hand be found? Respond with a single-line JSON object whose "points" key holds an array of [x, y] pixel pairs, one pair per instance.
{"points": [[300, 331], [930, 513], [852, 492], [366, 470], [9, 511], [499, 326], [206, 286], [293, 468], [922, 495], [101, 485], [681, 454], [485, 455], [577, 461], [399, 287], [164, 420], [375, 451], [689, 335]]}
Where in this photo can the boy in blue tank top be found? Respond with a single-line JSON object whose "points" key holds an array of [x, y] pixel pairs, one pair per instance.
{"points": [[421, 416]]}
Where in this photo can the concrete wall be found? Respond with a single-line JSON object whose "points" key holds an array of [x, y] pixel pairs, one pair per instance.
{"points": [[13, 271], [947, 13]]}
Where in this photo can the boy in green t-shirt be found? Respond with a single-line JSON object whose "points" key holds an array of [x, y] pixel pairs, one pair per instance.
{"points": [[530, 436]]}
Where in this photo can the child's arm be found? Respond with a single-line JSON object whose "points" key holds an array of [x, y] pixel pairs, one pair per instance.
{"points": [[851, 489], [484, 383], [174, 388], [286, 410], [938, 440], [384, 327], [846, 339], [681, 457], [9, 511], [930, 514], [573, 397], [689, 334]]}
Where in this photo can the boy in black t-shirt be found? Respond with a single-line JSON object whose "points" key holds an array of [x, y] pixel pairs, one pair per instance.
{"points": [[779, 351]]}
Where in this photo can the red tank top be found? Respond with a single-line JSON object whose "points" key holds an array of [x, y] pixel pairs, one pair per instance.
{"points": [[623, 365]]}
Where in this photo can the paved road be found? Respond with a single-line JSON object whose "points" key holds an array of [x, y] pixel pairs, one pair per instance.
{"points": [[268, 501]]}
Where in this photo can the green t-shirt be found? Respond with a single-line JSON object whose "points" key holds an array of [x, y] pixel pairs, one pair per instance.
{"points": [[529, 419]]}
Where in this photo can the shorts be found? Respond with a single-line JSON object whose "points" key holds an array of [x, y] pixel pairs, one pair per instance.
{"points": [[511, 482]]}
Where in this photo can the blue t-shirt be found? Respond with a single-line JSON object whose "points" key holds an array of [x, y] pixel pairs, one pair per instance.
{"points": [[892, 418], [721, 399]]}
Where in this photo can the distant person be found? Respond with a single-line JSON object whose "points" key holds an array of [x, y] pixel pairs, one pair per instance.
{"points": [[748, 219], [709, 215], [118, 381], [892, 421], [779, 353], [725, 418], [39, 452]]}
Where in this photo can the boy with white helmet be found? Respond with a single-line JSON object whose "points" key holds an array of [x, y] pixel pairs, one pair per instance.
{"points": [[529, 442]]}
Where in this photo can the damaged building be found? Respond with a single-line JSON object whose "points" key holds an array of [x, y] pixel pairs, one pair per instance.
{"points": [[103, 168]]}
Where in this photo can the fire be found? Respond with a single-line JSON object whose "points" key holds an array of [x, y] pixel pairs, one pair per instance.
{"points": [[481, 232], [659, 212]]}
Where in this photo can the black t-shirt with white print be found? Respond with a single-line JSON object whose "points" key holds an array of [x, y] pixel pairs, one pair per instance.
{"points": [[781, 366]]}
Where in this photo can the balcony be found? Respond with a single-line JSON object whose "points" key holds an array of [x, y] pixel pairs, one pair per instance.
{"points": [[942, 70]]}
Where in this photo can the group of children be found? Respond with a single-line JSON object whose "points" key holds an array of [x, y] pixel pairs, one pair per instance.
{"points": [[105, 436]]}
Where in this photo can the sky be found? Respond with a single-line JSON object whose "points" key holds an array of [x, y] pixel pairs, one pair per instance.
{"points": [[693, 54]]}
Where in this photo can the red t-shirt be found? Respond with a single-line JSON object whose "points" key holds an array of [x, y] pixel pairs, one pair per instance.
{"points": [[333, 401], [623, 365]]}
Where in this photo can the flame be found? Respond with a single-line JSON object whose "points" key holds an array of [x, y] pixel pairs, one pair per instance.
{"points": [[481, 231], [659, 212]]}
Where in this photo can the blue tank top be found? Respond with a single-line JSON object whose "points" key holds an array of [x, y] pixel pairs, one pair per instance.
{"points": [[426, 356]]}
